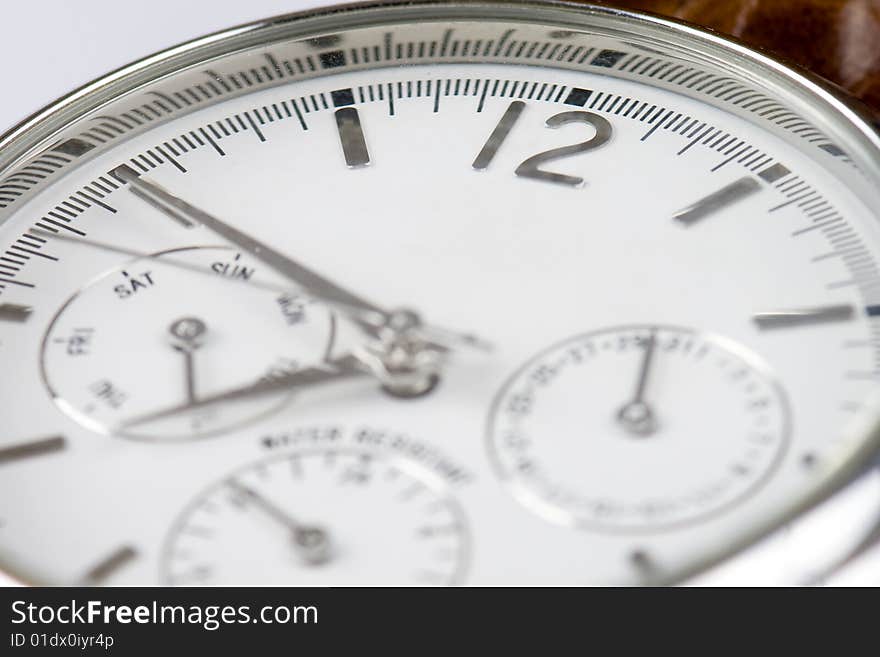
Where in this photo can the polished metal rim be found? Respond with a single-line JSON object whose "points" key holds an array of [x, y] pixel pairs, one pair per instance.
{"points": [[21, 140]]}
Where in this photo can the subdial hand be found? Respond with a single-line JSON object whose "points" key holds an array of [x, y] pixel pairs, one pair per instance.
{"points": [[188, 333], [637, 416], [337, 369], [311, 542]]}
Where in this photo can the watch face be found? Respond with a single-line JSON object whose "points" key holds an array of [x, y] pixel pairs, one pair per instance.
{"points": [[431, 293]]}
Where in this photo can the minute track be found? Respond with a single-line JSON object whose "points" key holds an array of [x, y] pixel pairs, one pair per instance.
{"points": [[505, 45], [416, 89]]}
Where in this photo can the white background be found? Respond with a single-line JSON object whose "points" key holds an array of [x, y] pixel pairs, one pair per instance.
{"points": [[50, 47]]}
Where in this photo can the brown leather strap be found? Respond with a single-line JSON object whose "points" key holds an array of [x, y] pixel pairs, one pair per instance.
{"points": [[837, 39]]}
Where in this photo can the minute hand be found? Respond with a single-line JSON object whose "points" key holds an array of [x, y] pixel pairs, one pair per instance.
{"points": [[312, 282]]}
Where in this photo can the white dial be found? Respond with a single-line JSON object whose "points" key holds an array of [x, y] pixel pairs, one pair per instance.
{"points": [[323, 517], [603, 429], [399, 217], [171, 329]]}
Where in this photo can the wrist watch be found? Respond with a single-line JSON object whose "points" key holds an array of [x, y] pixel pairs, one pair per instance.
{"points": [[452, 292]]}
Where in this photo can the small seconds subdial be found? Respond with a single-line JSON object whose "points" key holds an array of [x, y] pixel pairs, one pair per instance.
{"points": [[173, 329], [638, 428], [320, 517]]}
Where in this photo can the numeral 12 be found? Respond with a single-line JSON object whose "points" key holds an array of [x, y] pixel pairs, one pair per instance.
{"points": [[531, 166]]}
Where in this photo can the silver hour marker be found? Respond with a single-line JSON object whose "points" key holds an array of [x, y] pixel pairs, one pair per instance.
{"points": [[804, 316], [726, 196], [12, 312], [499, 134], [32, 448], [351, 135], [109, 565]]}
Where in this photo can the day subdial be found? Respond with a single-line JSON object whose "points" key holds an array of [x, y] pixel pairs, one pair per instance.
{"points": [[638, 428], [320, 517], [173, 330]]}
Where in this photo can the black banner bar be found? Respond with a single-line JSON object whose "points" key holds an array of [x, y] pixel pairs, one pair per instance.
{"points": [[262, 621]]}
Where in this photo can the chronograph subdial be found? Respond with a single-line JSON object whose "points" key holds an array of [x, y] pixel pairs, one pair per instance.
{"points": [[173, 329], [320, 516], [638, 428]]}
